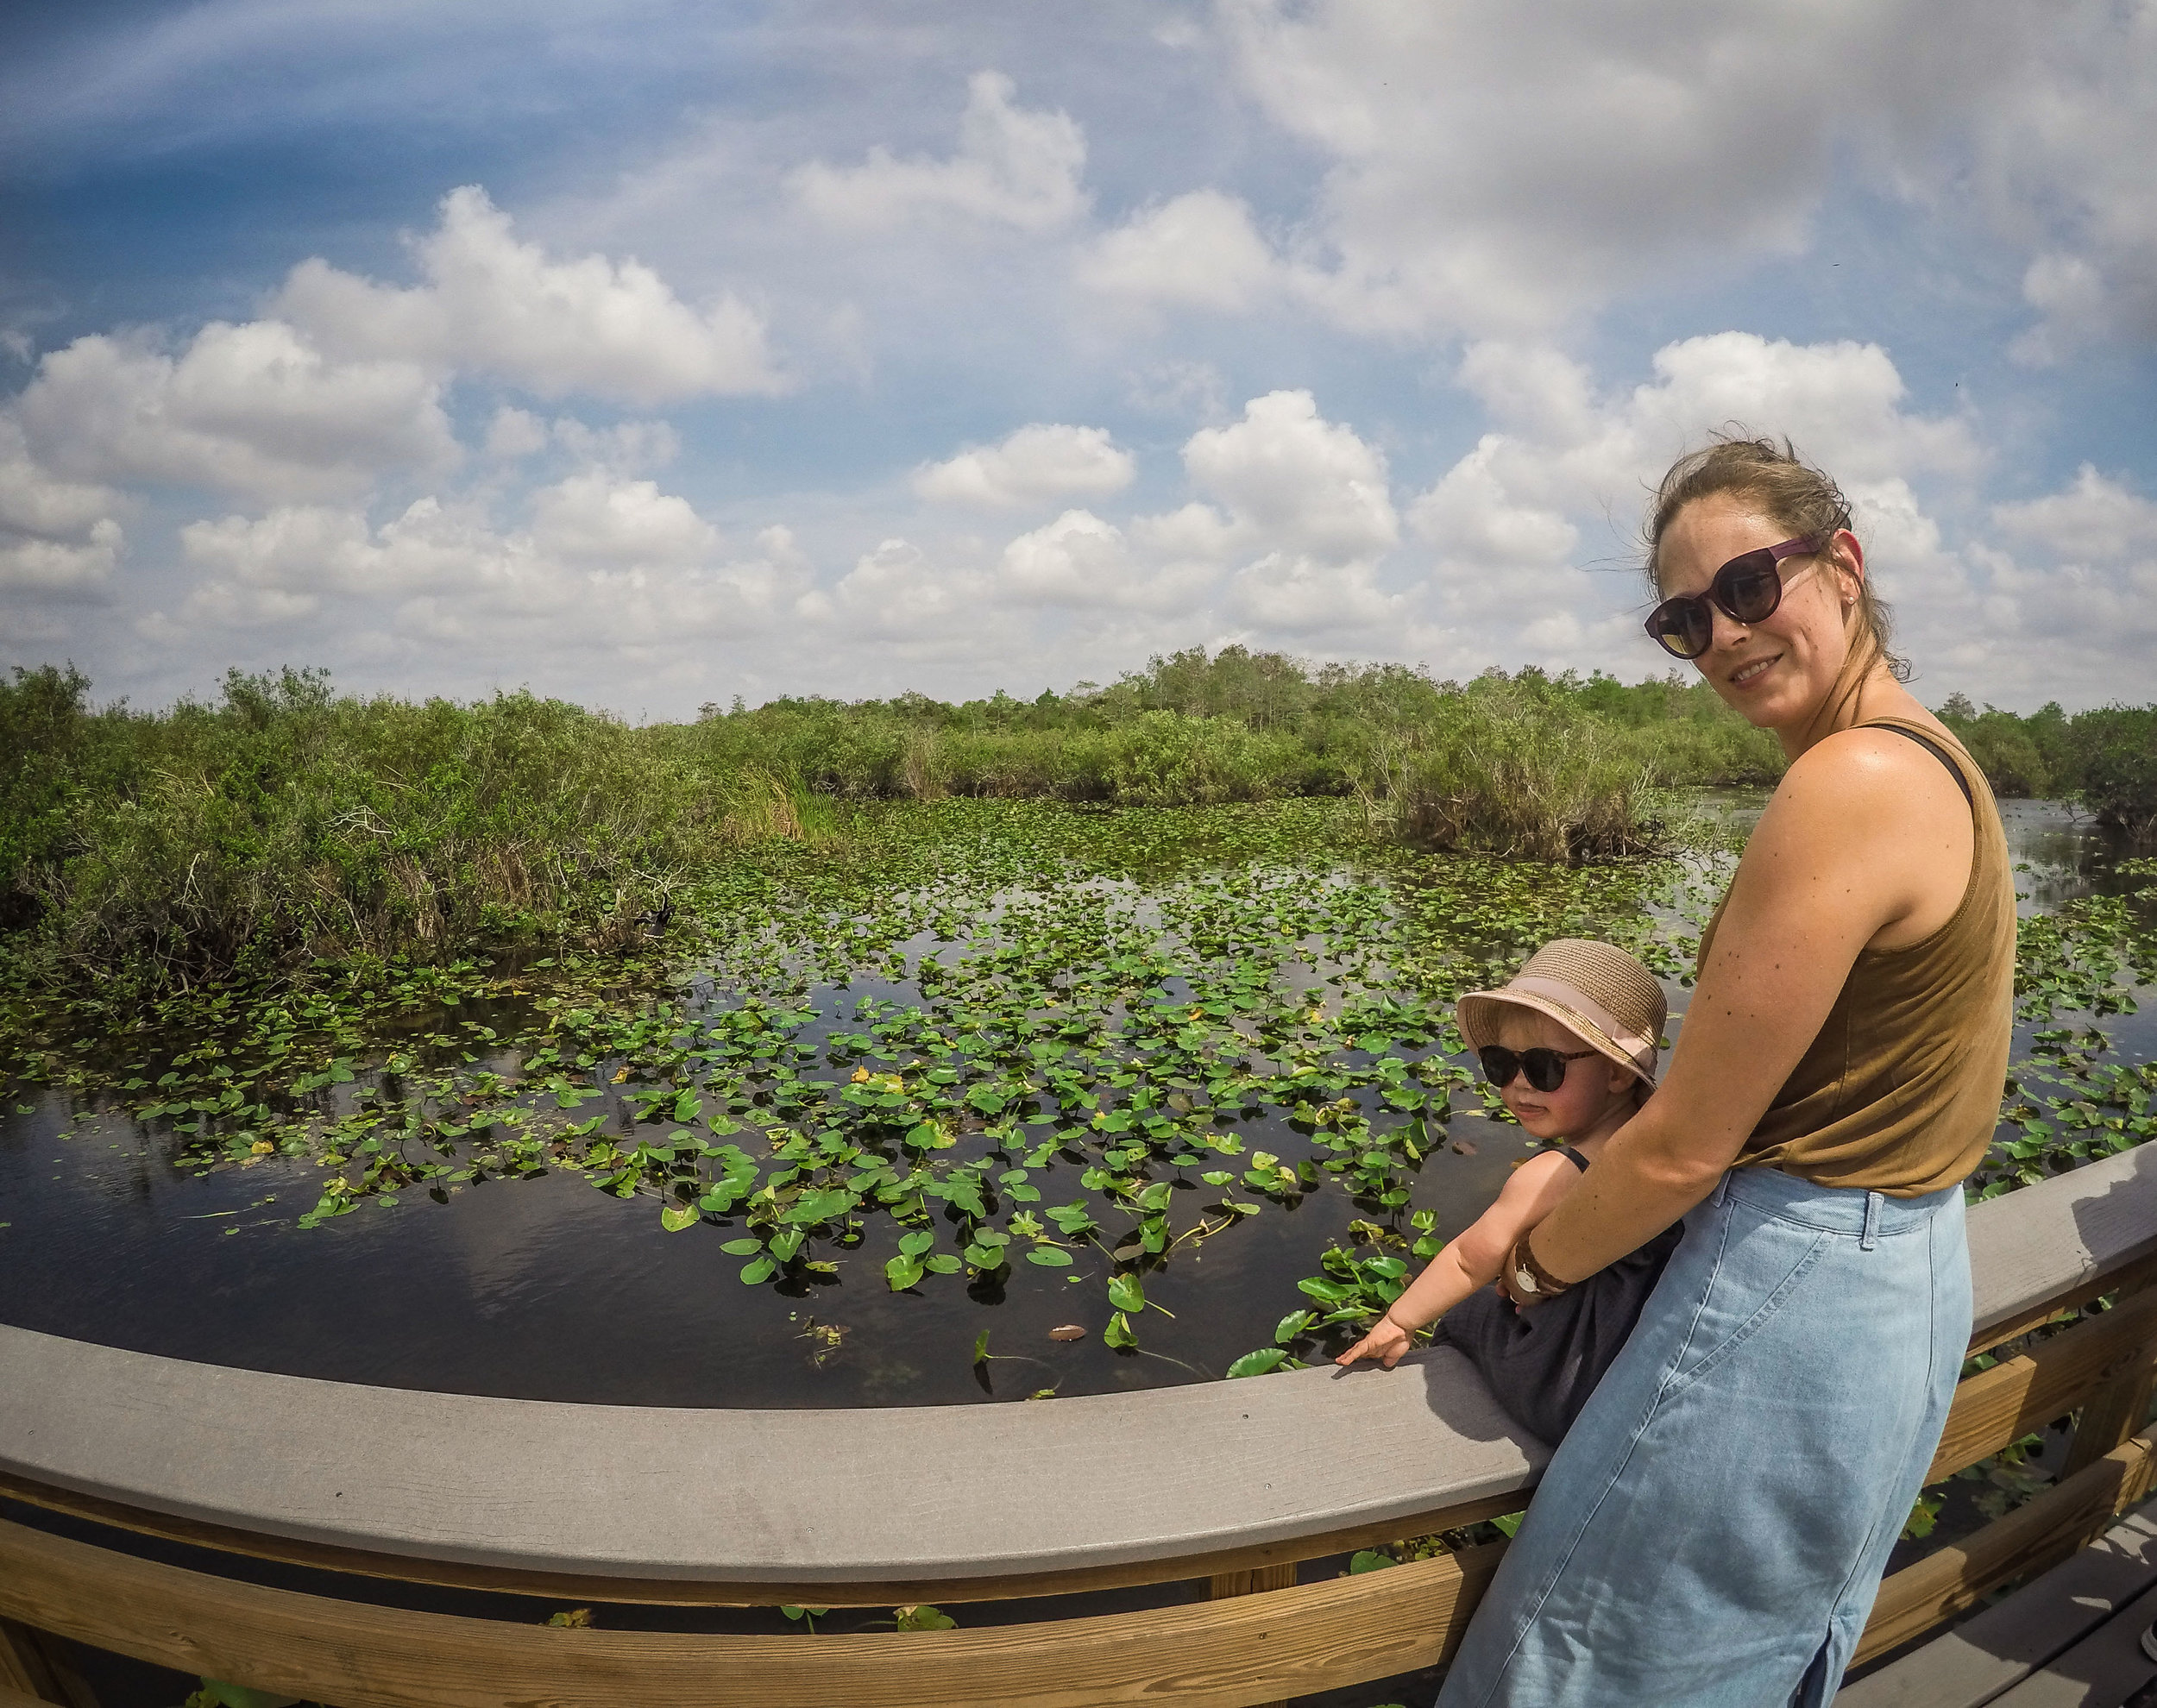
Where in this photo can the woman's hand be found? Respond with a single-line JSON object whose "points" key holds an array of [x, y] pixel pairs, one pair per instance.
{"points": [[1385, 1342]]}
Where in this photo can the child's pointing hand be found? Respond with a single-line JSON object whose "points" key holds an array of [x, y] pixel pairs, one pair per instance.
{"points": [[1385, 1342]]}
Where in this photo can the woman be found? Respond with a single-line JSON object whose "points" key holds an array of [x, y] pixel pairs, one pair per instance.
{"points": [[1712, 1531]]}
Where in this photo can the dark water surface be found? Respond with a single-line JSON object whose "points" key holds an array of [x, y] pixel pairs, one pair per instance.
{"points": [[547, 1289]]}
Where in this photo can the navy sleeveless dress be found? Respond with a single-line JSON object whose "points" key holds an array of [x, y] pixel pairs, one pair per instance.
{"points": [[1542, 1365]]}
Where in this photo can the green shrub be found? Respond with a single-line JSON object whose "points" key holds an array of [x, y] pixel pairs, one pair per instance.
{"points": [[2119, 766], [1505, 774], [286, 823]]}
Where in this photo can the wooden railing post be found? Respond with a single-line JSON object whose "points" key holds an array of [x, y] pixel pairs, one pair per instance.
{"points": [[30, 1667], [2118, 1406], [1255, 1581]]}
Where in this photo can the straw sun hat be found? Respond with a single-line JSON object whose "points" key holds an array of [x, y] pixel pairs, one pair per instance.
{"points": [[1593, 990]]}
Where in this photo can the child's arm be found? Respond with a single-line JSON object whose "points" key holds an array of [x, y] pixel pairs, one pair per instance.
{"points": [[1469, 1262]]}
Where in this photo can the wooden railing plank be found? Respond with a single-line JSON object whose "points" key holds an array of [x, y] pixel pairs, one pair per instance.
{"points": [[2131, 1278], [2001, 1405], [678, 1592], [2033, 1537], [1227, 1654], [2034, 1248], [783, 1497]]}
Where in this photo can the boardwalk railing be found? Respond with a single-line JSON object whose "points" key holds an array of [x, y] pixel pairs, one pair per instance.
{"points": [[1231, 1483]]}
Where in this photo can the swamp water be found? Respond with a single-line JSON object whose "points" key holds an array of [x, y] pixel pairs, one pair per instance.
{"points": [[870, 1125]]}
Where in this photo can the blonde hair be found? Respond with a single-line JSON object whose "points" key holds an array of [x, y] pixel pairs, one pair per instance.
{"points": [[1789, 492]]}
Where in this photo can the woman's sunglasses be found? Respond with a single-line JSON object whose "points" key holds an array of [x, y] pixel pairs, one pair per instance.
{"points": [[1747, 589], [1545, 1068]]}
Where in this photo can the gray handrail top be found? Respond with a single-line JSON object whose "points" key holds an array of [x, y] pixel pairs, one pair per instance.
{"points": [[866, 1494]]}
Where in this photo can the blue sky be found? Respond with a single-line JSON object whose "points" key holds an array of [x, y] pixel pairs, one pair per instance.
{"points": [[656, 354]]}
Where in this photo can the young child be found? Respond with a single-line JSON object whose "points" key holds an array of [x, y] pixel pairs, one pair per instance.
{"points": [[1570, 1043]]}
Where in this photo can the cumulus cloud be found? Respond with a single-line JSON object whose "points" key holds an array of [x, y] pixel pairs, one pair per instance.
{"points": [[1200, 250], [1517, 525], [493, 304], [1295, 519], [1015, 167], [1314, 499], [600, 561], [2061, 168], [1306, 483], [253, 409], [1495, 173], [899, 595], [593, 518], [58, 539], [2093, 520], [2062, 598], [1163, 565], [1035, 463]]}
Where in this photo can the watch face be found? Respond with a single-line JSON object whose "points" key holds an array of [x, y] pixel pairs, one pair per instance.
{"points": [[1524, 1281]]}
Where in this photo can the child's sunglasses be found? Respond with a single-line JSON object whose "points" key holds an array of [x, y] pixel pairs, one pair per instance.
{"points": [[1747, 589], [1546, 1069]]}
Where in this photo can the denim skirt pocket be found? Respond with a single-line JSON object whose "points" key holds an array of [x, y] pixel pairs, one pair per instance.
{"points": [[1759, 1269]]}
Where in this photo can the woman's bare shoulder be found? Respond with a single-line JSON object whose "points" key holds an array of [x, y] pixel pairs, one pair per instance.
{"points": [[1866, 773], [1872, 820]]}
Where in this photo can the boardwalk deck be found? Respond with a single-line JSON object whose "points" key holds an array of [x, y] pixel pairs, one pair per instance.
{"points": [[2042, 1643]]}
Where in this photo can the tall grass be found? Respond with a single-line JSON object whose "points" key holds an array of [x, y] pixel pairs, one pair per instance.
{"points": [[1503, 773], [285, 823]]}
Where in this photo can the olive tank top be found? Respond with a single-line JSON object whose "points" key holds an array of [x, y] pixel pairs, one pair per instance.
{"points": [[1900, 1091]]}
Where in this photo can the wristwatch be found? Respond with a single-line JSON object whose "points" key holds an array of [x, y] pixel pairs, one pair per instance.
{"points": [[1530, 1278]]}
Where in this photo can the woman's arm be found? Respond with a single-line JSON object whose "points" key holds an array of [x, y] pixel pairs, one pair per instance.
{"points": [[1471, 1261], [1863, 835]]}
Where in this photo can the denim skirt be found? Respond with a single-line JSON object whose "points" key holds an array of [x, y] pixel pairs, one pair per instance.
{"points": [[1711, 1530]]}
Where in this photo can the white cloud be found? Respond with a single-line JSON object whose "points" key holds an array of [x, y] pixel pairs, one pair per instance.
{"points": [[2061, 168], [1510, 523], [1164, 567], [1015, 167], [61, 569], [1200, 250], [492, 304], [1077, 559], [2059, 593], [1301, 482], [1036, 463], [1563, 450], [2059, 602], [253, 409], [593, 518], [604, 564], [60, 539], [515, 433], [625, 447], [1295, 521], [1493, 171], [2092, 521], [899, 594]]}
